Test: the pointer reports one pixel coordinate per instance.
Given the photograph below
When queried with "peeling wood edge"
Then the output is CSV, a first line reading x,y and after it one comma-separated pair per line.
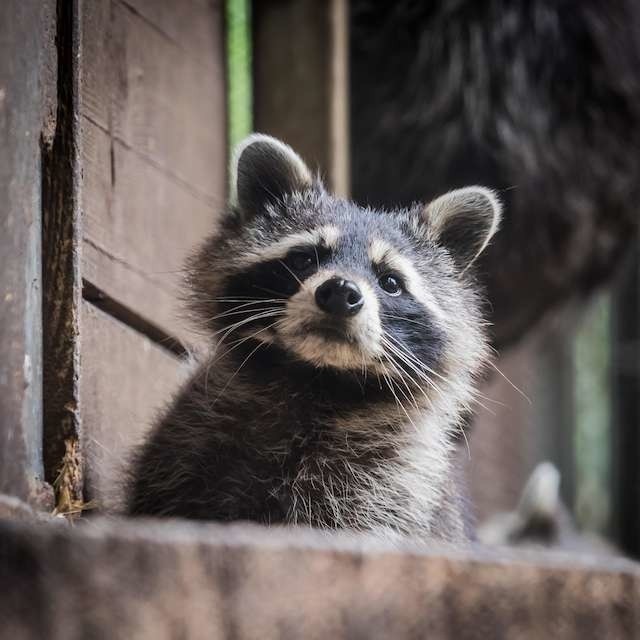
x,y
61,234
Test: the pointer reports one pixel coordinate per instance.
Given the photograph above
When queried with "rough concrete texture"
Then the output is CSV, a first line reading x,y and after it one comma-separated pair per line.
x,y
118,579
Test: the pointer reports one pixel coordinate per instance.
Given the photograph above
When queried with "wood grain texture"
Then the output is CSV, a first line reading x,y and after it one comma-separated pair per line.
x,y
178,580
306,106
61,274
126,380
27,114
154,148
153,95
194,28
139,225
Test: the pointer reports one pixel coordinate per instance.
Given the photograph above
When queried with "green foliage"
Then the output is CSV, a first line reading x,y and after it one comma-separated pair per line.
x,y
239,81
592,406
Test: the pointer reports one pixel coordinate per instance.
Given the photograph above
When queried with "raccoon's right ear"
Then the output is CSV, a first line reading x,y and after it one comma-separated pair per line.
x,y
263,171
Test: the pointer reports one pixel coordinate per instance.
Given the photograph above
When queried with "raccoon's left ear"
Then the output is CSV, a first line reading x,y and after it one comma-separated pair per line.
x,y
263,171
464,221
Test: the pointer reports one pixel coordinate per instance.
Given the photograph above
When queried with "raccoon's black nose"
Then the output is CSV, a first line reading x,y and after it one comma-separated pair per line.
x,y
339,297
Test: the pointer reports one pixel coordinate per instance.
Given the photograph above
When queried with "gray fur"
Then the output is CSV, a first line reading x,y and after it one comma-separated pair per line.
x,y
286,423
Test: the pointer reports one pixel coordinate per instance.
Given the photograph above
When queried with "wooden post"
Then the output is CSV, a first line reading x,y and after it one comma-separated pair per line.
x,y
61,275
301,81
27,120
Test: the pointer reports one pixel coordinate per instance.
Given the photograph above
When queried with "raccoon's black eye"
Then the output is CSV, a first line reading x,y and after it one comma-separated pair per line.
x,y
301,260
391,284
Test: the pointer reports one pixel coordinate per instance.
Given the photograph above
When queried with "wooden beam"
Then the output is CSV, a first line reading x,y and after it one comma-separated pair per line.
x,y
61,272
166,580
27,118
301,81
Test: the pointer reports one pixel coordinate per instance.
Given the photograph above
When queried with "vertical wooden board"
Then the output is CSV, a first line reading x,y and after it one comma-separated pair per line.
x,y
126,379
306,105
27,105
100,60
154,96
61,274
139,225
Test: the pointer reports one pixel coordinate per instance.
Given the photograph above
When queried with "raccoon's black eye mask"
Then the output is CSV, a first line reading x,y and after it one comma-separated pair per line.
x,y
266,172
301,261
305,261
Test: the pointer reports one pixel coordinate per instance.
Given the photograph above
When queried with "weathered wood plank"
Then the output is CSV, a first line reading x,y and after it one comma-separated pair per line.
x,y
153,96
126,379
27,108
158,580
154,149
194,28
139,225
307,106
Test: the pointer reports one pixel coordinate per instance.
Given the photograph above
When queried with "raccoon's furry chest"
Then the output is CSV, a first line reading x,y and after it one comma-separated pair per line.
x,y
315,451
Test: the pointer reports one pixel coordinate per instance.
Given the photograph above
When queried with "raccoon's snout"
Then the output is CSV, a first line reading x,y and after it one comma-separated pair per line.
x,y
339,297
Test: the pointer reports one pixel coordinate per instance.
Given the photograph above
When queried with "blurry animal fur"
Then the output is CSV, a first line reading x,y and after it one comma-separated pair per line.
x,y
541,520
307,413
539,99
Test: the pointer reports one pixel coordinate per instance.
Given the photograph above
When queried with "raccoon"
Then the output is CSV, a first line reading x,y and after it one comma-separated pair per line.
x,y
345,342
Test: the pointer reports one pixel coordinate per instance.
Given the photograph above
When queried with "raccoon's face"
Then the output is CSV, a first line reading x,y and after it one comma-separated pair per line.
x,y
334,284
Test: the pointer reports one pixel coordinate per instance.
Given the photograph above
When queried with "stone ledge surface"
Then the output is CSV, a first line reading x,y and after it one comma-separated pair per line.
x,y
151,579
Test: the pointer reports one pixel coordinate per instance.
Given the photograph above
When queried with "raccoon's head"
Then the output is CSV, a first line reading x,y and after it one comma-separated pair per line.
x,y
337,285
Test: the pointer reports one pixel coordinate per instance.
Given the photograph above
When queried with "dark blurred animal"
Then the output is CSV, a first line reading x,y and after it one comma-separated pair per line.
x,y
537,98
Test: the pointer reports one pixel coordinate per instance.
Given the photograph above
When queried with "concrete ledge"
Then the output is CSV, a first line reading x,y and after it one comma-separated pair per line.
x,y
150,579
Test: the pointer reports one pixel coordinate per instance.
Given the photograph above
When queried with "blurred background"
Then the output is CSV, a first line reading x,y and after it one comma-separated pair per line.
x,y
541,101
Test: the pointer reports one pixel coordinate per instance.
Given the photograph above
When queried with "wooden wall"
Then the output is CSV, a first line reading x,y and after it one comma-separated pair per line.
x,y
145,111
153,153
27,121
